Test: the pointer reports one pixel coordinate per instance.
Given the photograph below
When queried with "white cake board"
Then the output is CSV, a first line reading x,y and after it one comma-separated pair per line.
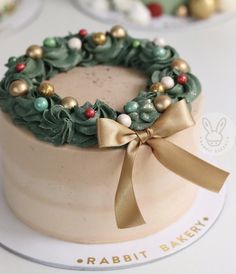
x,y
26,12
26,243
164,23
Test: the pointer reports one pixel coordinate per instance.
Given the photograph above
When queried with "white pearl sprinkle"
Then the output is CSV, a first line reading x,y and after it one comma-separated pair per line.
x,y
159,41
124,119
168,82
75,43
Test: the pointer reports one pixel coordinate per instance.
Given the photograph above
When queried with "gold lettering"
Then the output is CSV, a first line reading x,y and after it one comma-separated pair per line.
x,y
104,261
174,244
136,257
127,258
143,253
195,229
91,260
181,239
164,247
199,223
116,260
189,234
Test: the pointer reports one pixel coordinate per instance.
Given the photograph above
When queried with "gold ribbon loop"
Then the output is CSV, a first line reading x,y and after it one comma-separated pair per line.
x,y
176,118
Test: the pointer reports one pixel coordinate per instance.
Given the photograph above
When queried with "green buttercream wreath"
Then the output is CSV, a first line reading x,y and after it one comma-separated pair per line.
x,y
51,120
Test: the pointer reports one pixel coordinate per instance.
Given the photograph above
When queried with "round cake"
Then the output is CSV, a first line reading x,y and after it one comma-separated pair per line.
x,y
63,167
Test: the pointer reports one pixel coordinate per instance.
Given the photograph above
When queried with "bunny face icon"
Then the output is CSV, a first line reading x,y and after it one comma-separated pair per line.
x,y
214,136
217,133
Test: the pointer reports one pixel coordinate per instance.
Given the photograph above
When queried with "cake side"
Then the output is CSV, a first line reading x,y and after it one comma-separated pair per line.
x,y
67,192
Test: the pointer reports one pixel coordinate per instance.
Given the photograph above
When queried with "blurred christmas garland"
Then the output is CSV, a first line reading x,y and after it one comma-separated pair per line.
x,y
143,11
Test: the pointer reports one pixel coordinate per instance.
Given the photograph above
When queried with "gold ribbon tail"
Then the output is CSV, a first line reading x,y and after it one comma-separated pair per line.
x,y
126,208
176,118
187,165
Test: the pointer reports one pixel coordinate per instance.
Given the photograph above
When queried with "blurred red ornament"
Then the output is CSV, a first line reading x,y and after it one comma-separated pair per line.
x,y
155,9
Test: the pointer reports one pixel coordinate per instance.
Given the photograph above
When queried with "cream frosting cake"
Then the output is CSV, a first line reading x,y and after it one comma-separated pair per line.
x,y
57,179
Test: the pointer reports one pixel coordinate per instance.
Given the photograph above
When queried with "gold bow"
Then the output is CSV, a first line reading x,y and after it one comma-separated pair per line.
x,y
176,118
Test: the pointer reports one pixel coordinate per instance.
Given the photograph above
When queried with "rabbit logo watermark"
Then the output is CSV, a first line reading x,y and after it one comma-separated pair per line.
x,y
217,134
214,137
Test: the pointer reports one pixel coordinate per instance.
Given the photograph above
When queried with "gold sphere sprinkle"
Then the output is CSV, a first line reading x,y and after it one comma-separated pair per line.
x,y
162,102
35,52
18,88
46,89
118,31
69,102
99,38
180,65
157,87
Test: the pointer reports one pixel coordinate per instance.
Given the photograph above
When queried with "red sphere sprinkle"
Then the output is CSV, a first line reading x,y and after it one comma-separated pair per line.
x,y
20,67
83,32
182,79
89,112
155,9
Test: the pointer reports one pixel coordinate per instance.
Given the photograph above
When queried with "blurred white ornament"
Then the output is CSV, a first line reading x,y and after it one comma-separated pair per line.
x,y
99,5
140,14
123,5
134,10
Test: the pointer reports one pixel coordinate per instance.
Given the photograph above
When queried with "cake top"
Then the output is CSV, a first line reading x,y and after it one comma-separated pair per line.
x,y
27,95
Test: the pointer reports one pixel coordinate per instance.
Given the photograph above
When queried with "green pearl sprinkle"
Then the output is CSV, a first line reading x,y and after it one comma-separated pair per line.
x,y
50,42
41,104
12,60
131,106
159,52
136,43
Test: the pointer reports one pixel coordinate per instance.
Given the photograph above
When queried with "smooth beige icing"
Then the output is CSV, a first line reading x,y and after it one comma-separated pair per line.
x,y
68,192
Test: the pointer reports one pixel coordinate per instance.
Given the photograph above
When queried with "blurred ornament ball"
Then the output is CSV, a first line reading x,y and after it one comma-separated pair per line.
x,y
139,14
226,5
182,11
155,9
202,9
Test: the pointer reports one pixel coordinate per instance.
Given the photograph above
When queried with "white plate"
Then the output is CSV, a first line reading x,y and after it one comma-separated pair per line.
x,y
26,12
163,23
25,242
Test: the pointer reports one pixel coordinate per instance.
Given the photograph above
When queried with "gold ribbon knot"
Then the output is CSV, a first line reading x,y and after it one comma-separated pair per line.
x,y
176,118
